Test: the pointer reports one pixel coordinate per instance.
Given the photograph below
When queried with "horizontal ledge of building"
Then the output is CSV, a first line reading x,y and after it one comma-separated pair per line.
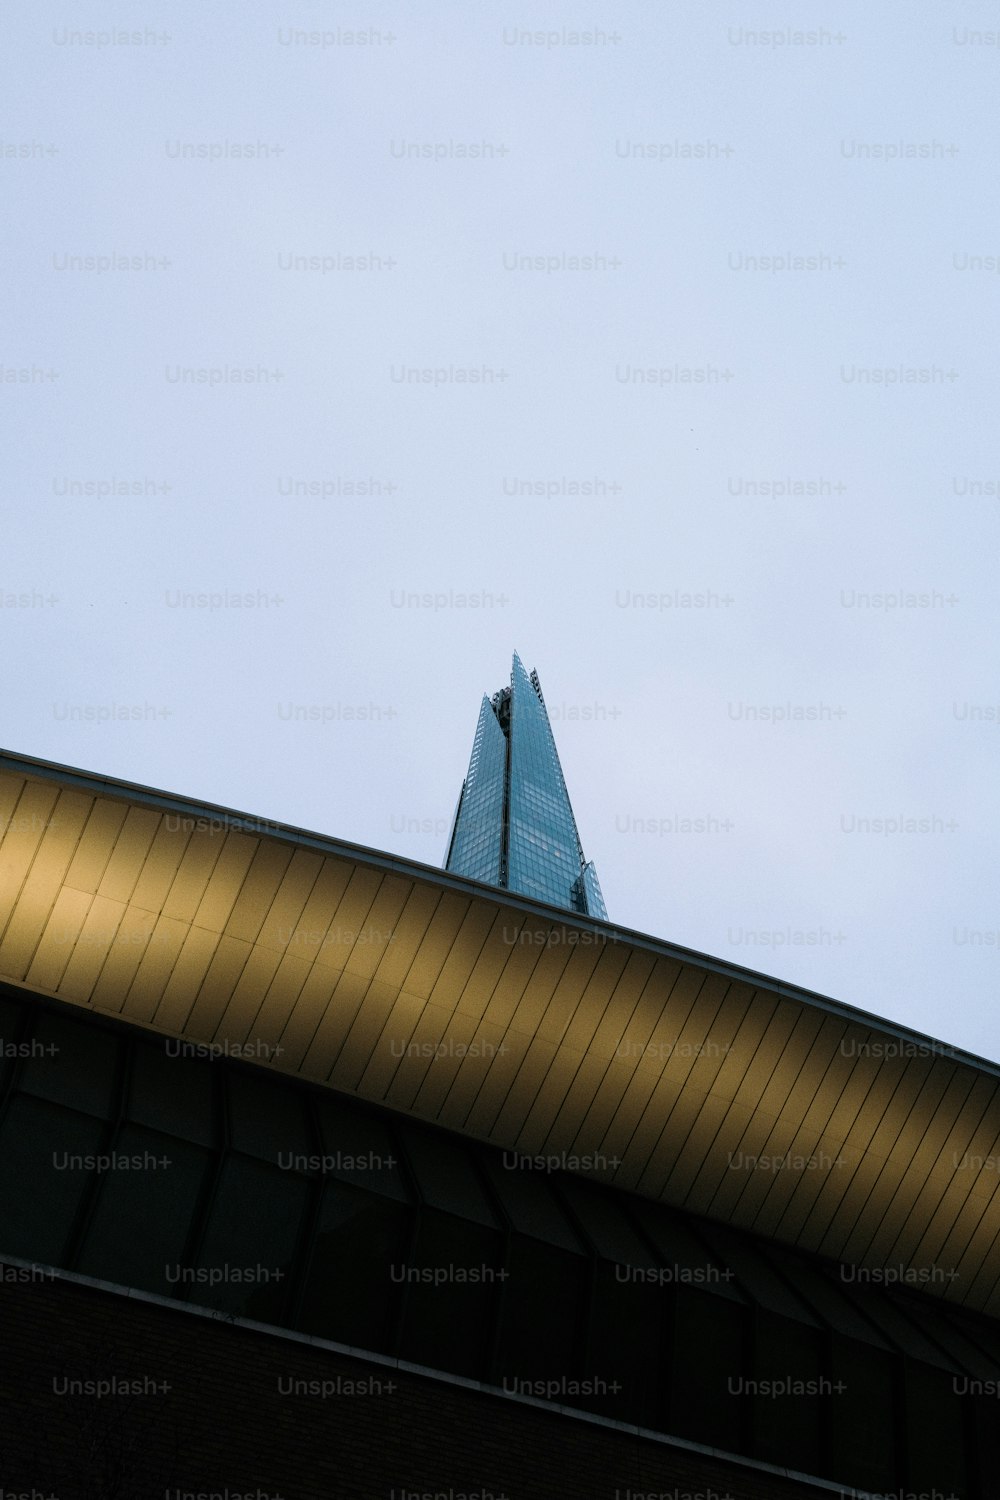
x,y
442,1377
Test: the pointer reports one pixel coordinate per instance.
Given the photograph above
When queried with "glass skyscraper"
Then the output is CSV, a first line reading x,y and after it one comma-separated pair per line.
x,y
514,826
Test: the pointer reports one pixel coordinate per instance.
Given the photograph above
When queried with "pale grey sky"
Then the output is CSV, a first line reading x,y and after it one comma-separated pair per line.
x,y
475,266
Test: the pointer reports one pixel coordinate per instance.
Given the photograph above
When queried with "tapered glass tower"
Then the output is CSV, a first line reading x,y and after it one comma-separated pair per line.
x,y
514,826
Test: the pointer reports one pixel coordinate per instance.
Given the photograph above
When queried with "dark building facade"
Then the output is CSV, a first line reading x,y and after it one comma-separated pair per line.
x,y
514,825
324,1173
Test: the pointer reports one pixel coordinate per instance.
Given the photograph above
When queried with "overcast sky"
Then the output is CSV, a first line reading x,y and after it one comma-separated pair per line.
x,y
535,322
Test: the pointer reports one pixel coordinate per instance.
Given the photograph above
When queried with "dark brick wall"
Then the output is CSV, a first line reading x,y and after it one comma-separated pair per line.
x,y
225,1425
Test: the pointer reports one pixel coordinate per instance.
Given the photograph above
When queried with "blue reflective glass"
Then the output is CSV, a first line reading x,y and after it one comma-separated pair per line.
x,y
476,841
514,826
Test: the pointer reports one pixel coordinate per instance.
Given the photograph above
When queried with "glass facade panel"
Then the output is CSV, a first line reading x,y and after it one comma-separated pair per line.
x,y
41,1188
451,1282
477,837
587,892
707,1352
935,1421
265,1118
71,1064
789,1369
245,1259
544,1302
687,1259
10,1018
445,1175
544,860
359,1148
171,1090
514,826
158,1204
599,1215
348,1290
529,1203
626,1348
862,1418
